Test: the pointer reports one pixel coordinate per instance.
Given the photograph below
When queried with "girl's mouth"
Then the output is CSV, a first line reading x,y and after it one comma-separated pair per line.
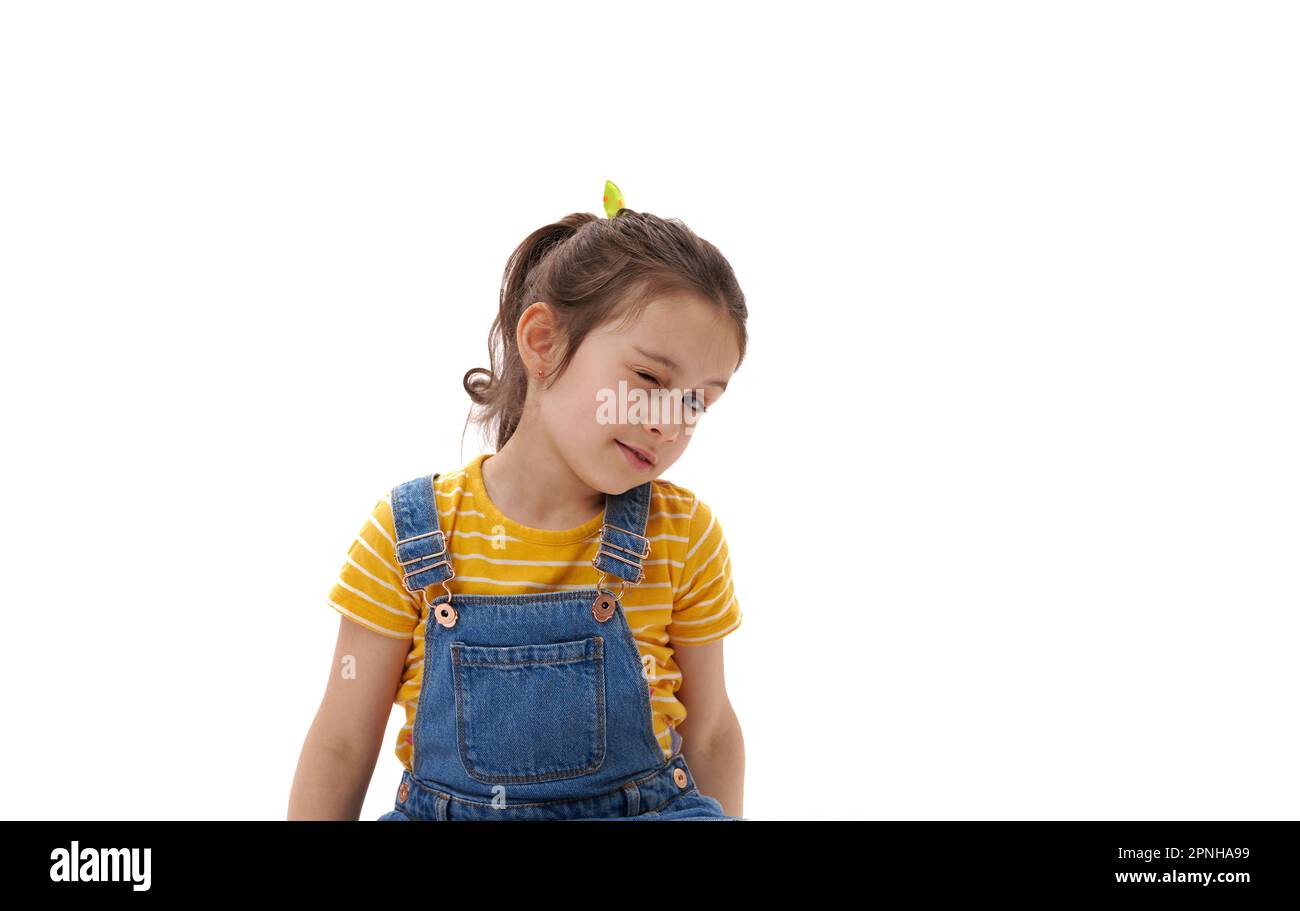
x,y
633,459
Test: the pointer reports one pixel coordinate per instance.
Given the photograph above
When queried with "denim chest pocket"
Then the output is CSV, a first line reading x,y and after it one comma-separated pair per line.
x,y
530,712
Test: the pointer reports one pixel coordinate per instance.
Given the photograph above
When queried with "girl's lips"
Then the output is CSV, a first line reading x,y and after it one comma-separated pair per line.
x,y
633,459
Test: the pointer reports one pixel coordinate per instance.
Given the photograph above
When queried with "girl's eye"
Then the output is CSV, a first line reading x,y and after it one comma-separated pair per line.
x,y
696,402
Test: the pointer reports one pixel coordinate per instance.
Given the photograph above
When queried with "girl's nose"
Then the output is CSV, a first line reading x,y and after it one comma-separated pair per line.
x,y
665,425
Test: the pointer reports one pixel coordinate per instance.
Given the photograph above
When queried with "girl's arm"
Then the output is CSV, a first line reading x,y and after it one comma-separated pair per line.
x,y
338,757
712,741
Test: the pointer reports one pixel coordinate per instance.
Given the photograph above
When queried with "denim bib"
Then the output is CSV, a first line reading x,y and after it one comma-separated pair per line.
x,y
535,706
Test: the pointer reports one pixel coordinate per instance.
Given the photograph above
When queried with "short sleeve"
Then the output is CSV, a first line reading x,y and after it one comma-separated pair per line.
x,y
369,589
704,601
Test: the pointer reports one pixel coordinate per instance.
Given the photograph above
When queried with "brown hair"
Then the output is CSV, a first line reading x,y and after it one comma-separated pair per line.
x,y
591,269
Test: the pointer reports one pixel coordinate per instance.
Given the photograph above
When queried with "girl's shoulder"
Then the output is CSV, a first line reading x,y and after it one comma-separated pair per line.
x,y
678,515
663,489
705,607
680,502
673,511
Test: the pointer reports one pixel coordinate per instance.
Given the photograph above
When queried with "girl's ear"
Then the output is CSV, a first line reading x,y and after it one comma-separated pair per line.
x,y
535,336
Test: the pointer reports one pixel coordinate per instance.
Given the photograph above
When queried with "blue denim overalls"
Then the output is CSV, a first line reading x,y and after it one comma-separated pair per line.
x,y
535,706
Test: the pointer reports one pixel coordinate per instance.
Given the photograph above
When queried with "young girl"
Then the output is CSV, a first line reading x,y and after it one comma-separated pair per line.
x,y
551,615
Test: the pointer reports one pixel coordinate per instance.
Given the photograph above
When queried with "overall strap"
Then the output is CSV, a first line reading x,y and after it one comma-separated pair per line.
x,y
421,545
623,544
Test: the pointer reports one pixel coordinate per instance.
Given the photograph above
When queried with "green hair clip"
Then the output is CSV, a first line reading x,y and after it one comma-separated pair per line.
x,y
613,198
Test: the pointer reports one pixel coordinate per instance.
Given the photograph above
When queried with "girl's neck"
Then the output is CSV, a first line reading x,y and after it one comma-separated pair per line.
x,y
530,484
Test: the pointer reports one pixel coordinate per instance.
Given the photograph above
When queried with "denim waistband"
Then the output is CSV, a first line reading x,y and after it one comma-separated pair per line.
x,y
427,800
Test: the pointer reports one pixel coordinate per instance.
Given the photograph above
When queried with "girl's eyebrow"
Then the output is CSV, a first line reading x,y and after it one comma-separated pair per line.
x,y
673,365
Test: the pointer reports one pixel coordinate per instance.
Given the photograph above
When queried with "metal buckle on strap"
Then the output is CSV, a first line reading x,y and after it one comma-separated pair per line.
x,y
428,534
425,569
601,549
438,553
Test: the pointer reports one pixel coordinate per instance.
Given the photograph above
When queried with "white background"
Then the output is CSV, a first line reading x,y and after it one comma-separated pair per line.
x,y
1008,474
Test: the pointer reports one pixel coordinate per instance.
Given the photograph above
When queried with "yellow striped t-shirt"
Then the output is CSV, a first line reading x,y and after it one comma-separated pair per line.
x,y
686,598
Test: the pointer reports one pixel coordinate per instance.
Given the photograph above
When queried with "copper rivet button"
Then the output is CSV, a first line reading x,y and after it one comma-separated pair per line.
x,y
679,776
403,791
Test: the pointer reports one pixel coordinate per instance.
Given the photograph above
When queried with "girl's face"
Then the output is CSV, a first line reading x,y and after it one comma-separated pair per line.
x,y
641,386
